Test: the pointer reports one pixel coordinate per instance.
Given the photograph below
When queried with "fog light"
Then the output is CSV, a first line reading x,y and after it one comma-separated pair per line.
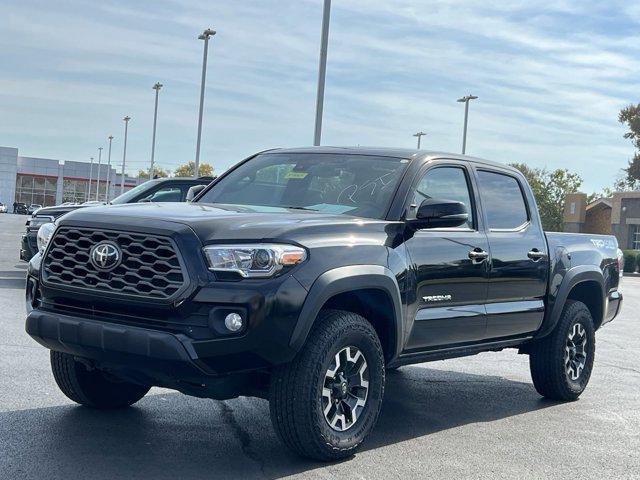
x,y
233,322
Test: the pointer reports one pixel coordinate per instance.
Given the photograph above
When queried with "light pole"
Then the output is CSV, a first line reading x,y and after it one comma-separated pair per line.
x,y
465,100
157,88
203,36
419,135
88,195
322,71
98,181
109,169
124,152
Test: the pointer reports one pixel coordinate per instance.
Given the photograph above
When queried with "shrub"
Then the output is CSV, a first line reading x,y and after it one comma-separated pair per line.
x,y
631,258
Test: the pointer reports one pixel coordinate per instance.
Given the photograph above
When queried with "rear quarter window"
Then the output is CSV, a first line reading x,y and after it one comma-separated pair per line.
x,y
502,200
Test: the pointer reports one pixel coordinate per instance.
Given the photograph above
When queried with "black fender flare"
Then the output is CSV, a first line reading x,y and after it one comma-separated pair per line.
x,y
346,279
573,277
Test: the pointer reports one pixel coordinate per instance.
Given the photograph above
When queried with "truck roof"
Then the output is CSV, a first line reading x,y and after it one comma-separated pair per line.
x,y
408,153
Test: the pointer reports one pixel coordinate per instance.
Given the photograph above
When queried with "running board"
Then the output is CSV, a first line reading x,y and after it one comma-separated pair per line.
x,y
459,351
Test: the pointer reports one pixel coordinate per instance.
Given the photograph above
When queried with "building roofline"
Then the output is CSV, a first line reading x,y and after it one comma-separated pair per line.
x,y
608,202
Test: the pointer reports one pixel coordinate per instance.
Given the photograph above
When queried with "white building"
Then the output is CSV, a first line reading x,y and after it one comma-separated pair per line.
x,y
46,182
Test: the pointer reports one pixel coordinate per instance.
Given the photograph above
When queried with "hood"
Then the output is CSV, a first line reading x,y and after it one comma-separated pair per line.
x,y
215,223
57,210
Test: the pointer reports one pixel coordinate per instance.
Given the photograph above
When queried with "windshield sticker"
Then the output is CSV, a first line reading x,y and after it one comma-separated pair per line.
x,y
296,175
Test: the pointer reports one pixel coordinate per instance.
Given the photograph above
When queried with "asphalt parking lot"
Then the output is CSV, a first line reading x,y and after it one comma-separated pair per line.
x,y
476,417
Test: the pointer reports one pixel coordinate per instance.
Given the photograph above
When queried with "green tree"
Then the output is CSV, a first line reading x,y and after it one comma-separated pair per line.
x,y
630,116
549,190
605,193
157,173
188,169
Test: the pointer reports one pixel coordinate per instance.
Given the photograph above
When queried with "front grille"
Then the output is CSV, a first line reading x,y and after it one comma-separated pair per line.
x,y
149,267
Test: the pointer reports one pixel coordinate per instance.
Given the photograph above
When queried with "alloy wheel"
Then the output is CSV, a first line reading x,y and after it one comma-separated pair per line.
x,y
575,352
345,389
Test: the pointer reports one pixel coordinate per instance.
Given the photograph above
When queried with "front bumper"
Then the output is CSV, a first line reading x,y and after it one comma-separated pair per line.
x,y
108,342
139,355
180,347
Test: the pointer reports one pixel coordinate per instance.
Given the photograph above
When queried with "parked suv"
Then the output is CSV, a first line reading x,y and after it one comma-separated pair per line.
x,y
301,275
157,190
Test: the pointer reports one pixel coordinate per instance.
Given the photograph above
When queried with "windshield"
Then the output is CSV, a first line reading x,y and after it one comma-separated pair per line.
x,y
359,185
127,196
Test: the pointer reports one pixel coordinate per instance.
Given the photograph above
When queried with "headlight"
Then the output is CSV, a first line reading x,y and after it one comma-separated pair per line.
x,y
253,261
44,235
36,222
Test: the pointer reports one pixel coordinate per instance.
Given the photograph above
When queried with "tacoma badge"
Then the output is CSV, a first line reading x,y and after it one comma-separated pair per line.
x,y
437,298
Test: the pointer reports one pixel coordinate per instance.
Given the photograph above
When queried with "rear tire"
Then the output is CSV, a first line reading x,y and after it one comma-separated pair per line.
x,y
327,400
92,388
561,363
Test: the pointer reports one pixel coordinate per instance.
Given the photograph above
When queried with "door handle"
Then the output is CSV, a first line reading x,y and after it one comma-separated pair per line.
x,y
477,254
535,254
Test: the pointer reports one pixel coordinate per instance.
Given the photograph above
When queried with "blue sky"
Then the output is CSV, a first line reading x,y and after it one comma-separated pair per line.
x,y
551,77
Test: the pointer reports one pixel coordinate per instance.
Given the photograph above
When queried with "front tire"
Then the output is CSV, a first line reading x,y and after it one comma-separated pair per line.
x,y
92,388
561,363
327,400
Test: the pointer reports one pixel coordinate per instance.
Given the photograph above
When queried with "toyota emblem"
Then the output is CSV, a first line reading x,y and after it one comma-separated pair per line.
x,y
106,256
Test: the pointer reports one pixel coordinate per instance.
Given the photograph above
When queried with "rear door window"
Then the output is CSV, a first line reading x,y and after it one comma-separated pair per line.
x,y
502,200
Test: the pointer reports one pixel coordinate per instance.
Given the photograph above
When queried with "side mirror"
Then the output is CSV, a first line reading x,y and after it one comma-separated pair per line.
x,y
145,200
194,191
436,213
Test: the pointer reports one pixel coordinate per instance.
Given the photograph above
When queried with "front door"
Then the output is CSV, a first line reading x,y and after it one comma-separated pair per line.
x,y
450,266
519,257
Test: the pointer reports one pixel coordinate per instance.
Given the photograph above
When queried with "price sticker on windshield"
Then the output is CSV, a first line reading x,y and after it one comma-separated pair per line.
x,y
297,175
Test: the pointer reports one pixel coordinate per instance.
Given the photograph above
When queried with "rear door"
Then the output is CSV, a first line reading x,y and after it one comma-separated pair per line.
x,y
449,265
519,265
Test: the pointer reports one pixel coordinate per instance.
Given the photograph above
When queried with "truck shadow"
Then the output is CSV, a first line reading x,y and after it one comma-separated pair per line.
x,y
169,435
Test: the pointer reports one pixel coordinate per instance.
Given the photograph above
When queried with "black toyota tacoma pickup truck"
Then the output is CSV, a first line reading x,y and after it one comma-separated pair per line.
x,y
302,275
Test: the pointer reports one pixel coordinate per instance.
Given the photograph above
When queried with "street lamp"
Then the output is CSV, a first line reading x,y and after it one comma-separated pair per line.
x,y
203,36
465,100
98,182
124,152
419,135
88,194
157,88
110,137
322,71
